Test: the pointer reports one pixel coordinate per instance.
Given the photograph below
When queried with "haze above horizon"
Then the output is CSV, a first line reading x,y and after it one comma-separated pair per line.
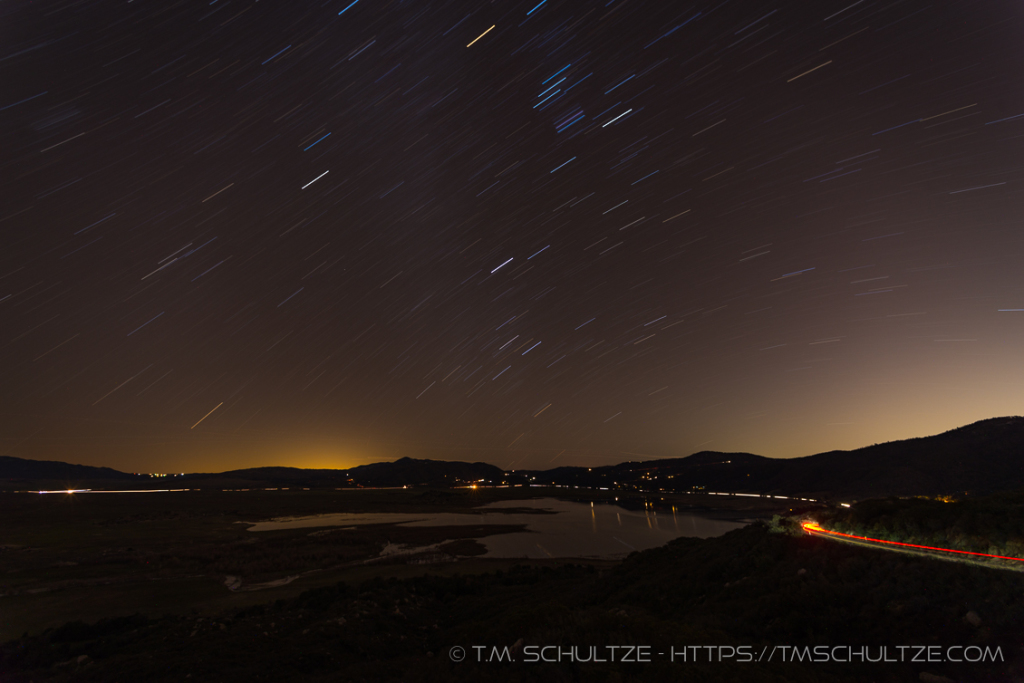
x,y
328,236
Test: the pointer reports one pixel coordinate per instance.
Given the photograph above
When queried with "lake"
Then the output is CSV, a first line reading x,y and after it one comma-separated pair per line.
x,y
557,528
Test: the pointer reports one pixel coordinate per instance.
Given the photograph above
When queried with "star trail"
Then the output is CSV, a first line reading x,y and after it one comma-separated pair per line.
x,y
246,233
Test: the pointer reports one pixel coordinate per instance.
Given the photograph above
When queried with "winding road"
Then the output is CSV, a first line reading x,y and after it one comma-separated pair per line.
x,y
815,529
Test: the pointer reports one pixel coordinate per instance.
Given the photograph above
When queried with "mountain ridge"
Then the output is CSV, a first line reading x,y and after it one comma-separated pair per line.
x,y
981,457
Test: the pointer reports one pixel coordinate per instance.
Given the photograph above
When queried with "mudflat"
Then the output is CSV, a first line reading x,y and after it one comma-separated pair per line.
x,y
90,556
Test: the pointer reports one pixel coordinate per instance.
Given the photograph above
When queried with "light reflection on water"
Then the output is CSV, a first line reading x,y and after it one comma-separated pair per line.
x,y
576,530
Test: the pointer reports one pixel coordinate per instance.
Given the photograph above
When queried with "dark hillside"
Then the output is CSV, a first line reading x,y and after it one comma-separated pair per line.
x,y
20,468
748,589
977,459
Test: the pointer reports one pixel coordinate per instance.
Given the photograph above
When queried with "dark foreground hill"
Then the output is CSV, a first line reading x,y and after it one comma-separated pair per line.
x,y
981,458
720,605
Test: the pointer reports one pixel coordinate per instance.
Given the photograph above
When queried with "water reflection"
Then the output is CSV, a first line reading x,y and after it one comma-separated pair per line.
x,y
576,530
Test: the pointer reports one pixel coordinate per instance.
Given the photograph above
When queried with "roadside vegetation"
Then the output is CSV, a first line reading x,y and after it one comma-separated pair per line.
x,y
993,525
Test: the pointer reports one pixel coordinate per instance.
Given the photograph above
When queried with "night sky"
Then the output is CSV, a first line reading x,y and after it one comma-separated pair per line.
x,y
246,233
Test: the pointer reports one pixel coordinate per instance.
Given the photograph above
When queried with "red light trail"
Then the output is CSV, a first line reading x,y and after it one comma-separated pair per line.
x,y
815,528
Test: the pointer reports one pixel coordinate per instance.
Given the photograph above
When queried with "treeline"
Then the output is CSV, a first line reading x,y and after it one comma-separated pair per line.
x,y
993,524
